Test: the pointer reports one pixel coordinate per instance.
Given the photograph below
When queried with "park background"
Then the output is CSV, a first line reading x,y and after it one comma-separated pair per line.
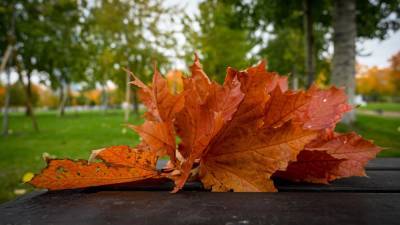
x,y
63,90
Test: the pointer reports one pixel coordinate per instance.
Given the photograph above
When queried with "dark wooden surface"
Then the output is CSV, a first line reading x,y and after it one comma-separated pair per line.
x,y
359,200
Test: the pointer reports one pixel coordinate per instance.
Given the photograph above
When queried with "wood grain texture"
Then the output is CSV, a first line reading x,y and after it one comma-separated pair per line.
x,y
126,207
377,181
384,164
357,200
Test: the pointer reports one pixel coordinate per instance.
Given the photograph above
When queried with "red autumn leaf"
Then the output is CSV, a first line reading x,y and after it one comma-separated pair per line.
x,y
159,136
325,109
285,106
160,103
311,166
246,161
208,106
324,160
234,136
157,131
120,164
244,155
314,109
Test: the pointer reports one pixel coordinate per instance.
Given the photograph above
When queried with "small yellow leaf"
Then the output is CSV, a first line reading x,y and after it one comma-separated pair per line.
x,y
27,177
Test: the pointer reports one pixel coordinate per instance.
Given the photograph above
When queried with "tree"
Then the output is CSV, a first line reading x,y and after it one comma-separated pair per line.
x,y
45,42
307,18
125,34
379,83
376,83
369,19
352,19
344,55
222,40
63,56
7,26
395,72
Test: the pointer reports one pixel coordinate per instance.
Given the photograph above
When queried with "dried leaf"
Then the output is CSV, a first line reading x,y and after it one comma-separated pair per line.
x,y
208,106
324,160
234,137
246,161
130,165
158,132
159,136
160,103
325,109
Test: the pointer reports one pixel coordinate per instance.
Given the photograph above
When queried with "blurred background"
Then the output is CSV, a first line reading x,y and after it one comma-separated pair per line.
x,y
63,90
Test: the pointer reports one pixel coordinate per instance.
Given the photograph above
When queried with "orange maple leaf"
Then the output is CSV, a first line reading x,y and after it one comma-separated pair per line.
x,y
208,106
330,158
245,153
234,136
120,164
157,131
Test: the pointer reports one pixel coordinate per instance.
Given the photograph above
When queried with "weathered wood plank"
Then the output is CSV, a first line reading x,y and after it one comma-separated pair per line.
x,y
377,181
376,164
384,164
128,207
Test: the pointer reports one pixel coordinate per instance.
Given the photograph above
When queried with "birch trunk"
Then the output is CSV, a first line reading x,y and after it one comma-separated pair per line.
x,y
127,98
4,61
344,41
309,42
28,110
63,100
135,102
28,101
104,93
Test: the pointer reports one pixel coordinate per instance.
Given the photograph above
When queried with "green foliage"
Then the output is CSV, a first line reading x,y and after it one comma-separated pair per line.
x,y
18,96
71,41
222,39
126,34
282,59
283,19
376,18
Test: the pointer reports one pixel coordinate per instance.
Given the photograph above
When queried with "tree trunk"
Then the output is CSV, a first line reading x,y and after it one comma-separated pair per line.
x,y
105,94
135,102
295,79
28,110
309,42
4,61
63,100
28,101
127,98
344,42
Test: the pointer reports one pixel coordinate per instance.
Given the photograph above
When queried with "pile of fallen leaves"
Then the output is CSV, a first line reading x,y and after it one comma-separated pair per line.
x,y
236,136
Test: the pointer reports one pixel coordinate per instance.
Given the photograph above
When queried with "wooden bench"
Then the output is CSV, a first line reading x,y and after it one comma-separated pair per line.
x,y
357,200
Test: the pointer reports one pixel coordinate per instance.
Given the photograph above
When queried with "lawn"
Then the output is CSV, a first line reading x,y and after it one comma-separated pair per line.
x,y
76,134
384,131
385,106
72,136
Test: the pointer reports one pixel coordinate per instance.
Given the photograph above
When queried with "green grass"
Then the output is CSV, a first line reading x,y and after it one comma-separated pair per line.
x,y
384,131
76,134
72,136
390,107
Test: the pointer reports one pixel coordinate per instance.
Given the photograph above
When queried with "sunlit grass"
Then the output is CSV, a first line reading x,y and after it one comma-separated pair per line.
x,y
72,136
389,107
385,132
